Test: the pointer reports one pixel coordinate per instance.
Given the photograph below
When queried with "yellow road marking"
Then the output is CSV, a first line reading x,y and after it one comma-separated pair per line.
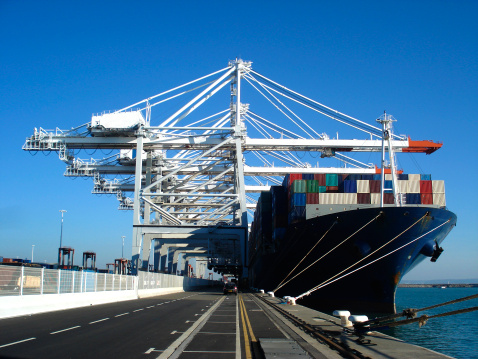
x,y
244,329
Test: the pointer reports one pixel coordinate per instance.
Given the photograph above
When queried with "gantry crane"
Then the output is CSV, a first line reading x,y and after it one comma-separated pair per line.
x,y
192,173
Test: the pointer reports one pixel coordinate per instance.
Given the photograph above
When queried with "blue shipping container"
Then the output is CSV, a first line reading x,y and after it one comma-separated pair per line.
x,y
403,176
425,177
377,177
388,187
367,177
297,214
413,198
297,199
307,176
349,186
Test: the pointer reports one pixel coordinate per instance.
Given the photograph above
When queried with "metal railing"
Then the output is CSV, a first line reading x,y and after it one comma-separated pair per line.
x,y
33,281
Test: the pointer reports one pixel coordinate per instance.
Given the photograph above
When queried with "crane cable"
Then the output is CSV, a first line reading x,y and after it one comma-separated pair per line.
x,y
346,239
329,281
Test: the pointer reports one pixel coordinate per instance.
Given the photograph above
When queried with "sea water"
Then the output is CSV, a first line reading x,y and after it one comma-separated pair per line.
x,y
456,335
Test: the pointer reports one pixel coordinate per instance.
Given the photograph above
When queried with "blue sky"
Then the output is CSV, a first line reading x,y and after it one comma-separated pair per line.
x,y
62,61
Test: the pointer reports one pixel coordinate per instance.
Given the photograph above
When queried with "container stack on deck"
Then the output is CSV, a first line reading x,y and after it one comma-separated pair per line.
x,y
304,196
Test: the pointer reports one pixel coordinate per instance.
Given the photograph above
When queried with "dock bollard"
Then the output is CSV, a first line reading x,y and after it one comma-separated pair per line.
x,y
262,291
291,301
271,294
344,317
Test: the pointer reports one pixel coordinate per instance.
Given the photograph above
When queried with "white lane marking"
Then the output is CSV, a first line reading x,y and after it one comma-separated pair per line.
x,y
100,320
137,310
181,343
208,351
20,341
152,350
119,315
64,330
151,306
173,332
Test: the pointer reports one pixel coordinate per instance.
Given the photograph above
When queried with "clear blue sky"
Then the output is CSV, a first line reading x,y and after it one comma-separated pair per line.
x,y
62,61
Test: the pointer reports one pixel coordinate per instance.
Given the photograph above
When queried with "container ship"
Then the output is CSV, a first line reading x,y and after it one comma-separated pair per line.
x,y
344,241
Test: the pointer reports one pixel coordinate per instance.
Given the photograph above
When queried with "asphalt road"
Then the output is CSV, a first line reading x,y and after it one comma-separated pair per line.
x,y
183,325
118,330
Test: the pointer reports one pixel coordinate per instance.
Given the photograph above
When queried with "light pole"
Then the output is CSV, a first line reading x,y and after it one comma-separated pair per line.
x,y
61,233
33,247
122,249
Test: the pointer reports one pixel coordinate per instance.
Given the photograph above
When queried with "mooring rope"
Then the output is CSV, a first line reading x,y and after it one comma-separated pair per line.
x,y
315,245
331,280
346,239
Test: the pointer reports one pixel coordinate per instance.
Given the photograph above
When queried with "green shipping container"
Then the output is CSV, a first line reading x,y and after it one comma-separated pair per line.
x,y
322,189
298,186
331,179
312,186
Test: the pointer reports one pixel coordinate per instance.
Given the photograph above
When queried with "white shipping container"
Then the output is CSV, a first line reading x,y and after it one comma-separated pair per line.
x,y
439,199
349,198
438,186
363,186
403,186
413,186
329,198
413,178
374,198
388,176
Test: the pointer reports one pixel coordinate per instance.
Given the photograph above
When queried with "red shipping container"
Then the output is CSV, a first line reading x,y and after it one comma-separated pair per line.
x,y
388,198
312,198
293,177
332,189
426,187
374,186
363,198
321,178
426,198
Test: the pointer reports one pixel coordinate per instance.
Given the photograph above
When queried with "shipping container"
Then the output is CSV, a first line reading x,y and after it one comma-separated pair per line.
x,y
320,177
388,198
312,186
426,198
375,198
348,186
402,186
438,186
375,186
297,199
331,179
425,177
307,176
426,186
439,199
349,198
298,186
413,186
363,186
413,198
312,198
328,198
413,177
367,177
388,186
322,189
363,198
403,177
332,189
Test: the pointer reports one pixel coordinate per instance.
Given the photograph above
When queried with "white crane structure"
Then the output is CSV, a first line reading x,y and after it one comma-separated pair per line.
x,y
191,172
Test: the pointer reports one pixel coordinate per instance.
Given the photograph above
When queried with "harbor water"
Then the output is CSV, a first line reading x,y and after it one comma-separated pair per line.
x,y
456,335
